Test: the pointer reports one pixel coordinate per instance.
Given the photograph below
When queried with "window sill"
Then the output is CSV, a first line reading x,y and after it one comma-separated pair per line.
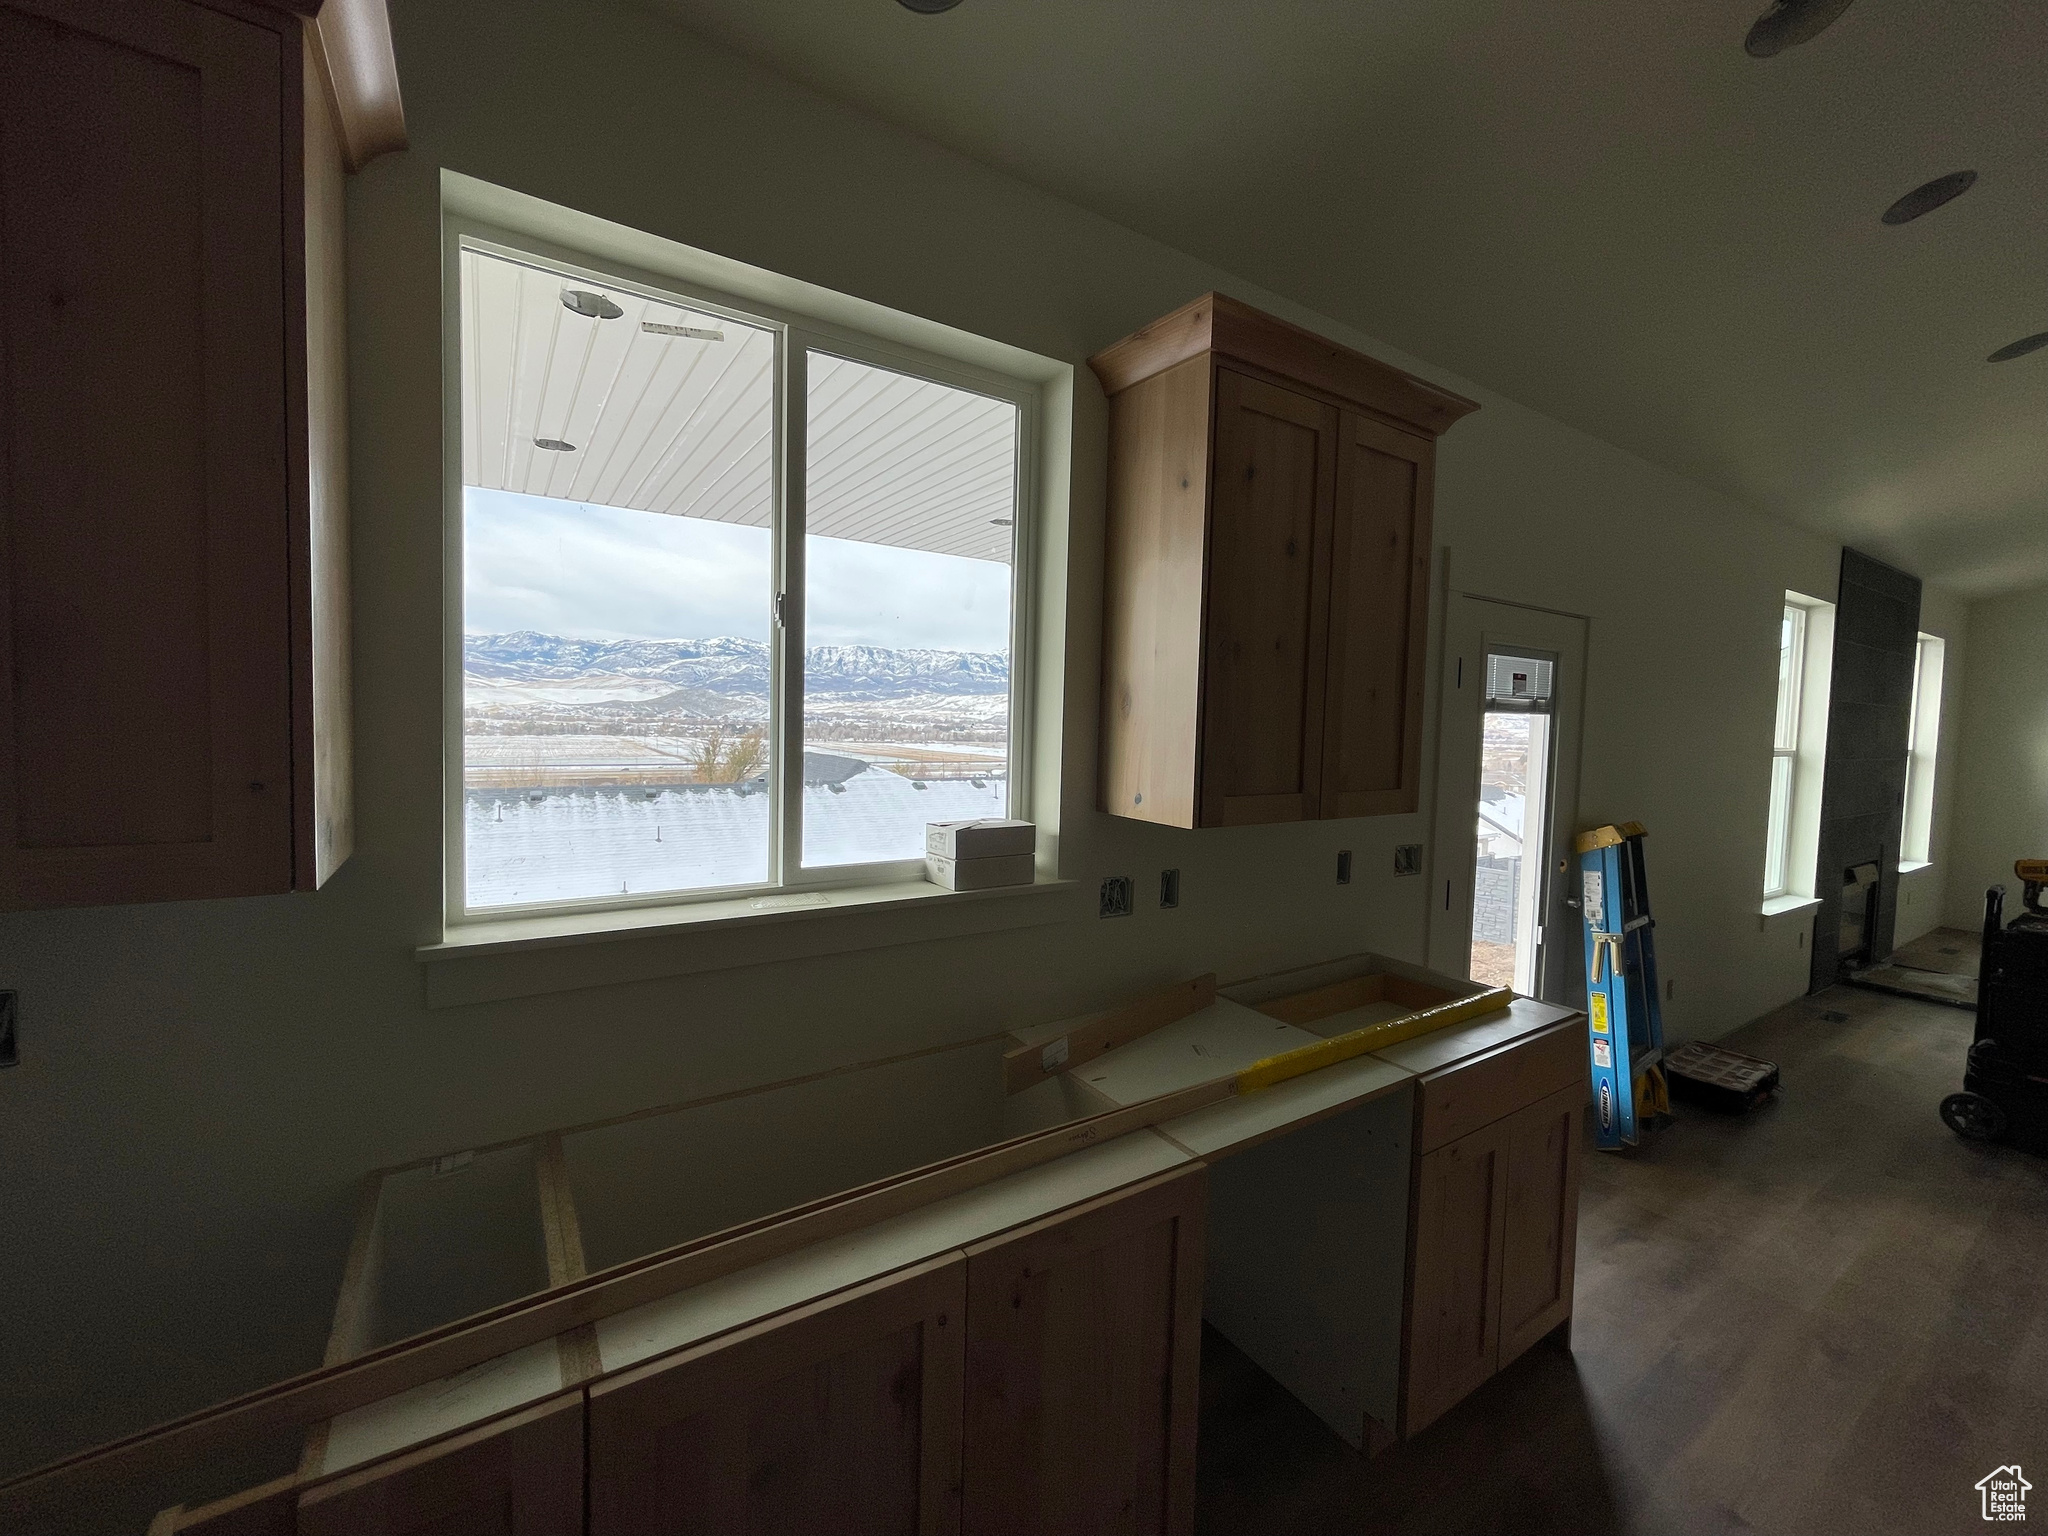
x,y
1780,907
527,956
1914,866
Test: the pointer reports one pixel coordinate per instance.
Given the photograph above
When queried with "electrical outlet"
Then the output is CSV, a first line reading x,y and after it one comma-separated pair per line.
x,y
1169,887
1116,896
10,1045
1343,866
1408,858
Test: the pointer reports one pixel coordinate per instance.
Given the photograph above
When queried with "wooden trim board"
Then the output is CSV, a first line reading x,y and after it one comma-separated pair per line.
x,y
563,1234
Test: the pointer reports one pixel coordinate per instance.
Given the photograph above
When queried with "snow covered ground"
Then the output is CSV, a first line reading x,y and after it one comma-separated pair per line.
x,y
528,846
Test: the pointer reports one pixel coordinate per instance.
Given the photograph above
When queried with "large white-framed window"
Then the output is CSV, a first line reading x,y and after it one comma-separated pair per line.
x,y
741,598
1785,750
1923,738
1798,747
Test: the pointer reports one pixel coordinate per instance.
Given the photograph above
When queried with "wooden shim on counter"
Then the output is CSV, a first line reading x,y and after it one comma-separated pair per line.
x,y
1029,1065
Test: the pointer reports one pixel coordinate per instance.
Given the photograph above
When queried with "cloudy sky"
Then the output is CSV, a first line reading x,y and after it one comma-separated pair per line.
x,y
604,573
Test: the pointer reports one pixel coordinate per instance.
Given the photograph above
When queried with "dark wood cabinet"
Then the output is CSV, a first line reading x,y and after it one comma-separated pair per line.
x,y
521,1475
1083,1366
1494,1214
1266,581
843,1415
174,698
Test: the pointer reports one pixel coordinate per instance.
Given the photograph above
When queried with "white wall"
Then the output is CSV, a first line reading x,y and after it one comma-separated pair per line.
x,y
2001,810
202,1084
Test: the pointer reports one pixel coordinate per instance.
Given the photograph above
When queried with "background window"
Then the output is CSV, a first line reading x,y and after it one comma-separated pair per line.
x,y
1923,737
678,675
1785,750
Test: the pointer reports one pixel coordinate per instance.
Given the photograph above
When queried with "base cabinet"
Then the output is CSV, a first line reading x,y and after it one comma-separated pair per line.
x,y
843,1416
518,1476
1083,1367
1495,1228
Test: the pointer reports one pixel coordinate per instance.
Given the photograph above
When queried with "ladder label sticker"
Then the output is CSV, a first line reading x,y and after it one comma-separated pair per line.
x,y
1603,1054
1606,1106
1596,898
1598,1002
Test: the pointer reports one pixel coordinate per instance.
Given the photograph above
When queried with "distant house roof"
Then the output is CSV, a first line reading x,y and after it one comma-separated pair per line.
x,y
522,846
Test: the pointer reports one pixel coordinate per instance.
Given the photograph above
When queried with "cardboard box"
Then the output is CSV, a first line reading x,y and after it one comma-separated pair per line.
x,y
988,839
978,874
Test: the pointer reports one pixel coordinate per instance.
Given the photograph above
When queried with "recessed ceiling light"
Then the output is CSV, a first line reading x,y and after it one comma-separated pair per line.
x,y
1924,199
927,7
1790,23
581,301
2020,348
554,445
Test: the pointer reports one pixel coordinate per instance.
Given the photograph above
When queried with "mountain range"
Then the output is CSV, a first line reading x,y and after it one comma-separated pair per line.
x,y
529,675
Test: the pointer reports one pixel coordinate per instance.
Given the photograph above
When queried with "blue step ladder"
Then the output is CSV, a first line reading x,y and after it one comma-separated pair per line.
x,y
1624,1023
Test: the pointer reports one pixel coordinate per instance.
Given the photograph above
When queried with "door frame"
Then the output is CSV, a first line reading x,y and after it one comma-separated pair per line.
x,y
1473,623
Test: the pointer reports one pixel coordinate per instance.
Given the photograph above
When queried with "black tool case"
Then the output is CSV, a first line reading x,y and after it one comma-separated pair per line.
x,y
1714,1076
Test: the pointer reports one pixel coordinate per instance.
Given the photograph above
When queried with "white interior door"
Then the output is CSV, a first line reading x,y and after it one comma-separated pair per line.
x,y
1507,797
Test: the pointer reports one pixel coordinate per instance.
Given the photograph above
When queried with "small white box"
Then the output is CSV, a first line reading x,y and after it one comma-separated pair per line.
x,y
978,874
986,839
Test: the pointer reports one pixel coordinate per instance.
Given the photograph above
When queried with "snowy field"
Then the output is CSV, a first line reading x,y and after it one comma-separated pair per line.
x,y
580,844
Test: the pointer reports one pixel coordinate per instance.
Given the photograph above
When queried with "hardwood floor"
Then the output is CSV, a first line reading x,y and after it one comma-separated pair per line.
x,y
1828,1316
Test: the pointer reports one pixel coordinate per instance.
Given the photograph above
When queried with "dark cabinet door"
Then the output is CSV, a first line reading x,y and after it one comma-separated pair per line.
x,y
1268,596
517,1476
1379,612
1545,1148
145,629
1084,1337
840,1416
1454,1315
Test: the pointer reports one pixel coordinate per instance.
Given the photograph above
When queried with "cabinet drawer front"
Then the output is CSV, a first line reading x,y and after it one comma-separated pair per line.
x,y
1478,1092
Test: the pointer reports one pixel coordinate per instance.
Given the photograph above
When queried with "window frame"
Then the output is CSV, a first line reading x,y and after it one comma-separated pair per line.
x,y
797,334
1778,833
1923,750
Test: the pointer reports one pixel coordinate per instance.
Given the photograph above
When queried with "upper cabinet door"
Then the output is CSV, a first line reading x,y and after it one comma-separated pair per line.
x,y
1269,530
1379,611
145,675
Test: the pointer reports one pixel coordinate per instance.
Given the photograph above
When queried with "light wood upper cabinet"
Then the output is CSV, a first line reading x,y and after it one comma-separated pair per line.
x,y
174,698
1266,582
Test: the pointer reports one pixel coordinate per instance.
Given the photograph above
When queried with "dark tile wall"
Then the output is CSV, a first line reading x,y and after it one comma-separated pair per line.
x,y
1870,707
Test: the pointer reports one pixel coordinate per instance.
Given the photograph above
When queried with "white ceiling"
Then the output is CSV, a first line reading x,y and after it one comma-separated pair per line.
x,y
683,424
1605,210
